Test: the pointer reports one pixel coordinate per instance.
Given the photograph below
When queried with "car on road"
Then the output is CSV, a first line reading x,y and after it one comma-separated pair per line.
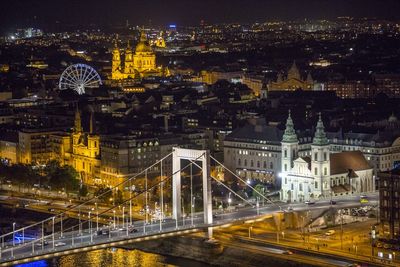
x,y
133,230
310,202
289,208
330,232
60,244
332,202
39,244
105,232
51,210
287,252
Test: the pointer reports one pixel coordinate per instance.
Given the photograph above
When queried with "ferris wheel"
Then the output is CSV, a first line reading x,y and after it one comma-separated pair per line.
x,y
78,77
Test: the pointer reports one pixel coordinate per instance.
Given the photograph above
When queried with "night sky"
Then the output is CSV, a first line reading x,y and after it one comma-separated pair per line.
x,y
17,13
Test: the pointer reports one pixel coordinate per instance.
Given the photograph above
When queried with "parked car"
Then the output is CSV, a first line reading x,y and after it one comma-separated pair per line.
x,y
309,202
332,202
330,232
59,244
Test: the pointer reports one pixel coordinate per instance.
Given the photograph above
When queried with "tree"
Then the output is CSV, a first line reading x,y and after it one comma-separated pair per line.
x,y
118,197
260,189
104,194
83,191
64,177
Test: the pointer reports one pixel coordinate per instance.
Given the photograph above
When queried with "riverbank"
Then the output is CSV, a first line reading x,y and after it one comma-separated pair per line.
x,y
195,247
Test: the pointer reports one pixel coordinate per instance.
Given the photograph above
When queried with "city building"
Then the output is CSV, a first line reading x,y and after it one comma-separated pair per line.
x,y
321,174
85,154
389,203
137,64
261,144
292,81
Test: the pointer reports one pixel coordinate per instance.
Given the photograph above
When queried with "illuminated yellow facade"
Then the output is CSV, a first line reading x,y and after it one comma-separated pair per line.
x,y
85,156
292,82
138,64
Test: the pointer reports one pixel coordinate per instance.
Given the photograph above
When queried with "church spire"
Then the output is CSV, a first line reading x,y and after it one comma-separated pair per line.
x,y
78,121
294,72
91,123
320,138
290,134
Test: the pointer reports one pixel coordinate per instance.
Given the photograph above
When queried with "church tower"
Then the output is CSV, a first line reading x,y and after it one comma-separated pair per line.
x,y
320,162
129,68
264,91
294,72
116,63
290,146
78,130
93,139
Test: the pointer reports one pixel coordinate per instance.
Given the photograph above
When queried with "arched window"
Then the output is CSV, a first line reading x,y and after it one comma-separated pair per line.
x,y
325,156
265,164
251,163
258,164
239,162
285,153
245,162
325,171
285,167
271,165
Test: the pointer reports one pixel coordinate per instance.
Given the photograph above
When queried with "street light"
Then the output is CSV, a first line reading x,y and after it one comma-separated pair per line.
x,y
114,219
97,217
90,228
123,216
250,228
13,242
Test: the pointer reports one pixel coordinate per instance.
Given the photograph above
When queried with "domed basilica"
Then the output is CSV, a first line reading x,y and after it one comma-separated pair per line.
x,y
138,64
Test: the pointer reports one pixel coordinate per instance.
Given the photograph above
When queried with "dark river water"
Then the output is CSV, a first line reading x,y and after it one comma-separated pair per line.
x,y
114,257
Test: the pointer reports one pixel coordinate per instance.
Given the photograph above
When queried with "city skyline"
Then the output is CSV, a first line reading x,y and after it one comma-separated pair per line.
x,y
198,133
38,13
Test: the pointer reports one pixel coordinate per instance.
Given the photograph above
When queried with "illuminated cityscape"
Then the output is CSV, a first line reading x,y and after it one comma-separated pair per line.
x,y
207,133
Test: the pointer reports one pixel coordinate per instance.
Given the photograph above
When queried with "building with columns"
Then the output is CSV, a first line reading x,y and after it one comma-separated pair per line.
x,y
136,64
292,81
321,174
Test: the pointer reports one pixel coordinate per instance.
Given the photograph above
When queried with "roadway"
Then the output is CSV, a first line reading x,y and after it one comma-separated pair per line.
x,y
70,241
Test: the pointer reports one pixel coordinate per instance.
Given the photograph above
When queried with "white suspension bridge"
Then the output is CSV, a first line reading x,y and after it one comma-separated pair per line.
x,y
90,234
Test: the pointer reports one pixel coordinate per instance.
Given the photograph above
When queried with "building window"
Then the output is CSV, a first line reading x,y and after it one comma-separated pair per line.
x,y
271,165
265,164
258,164
285,180
325,156
245,162
325,171
239,162
285,153
316,185
300,187
285,167
251,163
292,187
315,171
315,156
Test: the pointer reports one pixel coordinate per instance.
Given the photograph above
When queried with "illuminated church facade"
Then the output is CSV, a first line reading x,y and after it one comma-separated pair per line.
x,y
292,81
136,64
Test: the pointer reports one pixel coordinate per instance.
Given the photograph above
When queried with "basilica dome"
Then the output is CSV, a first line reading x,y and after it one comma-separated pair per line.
x,y
143,45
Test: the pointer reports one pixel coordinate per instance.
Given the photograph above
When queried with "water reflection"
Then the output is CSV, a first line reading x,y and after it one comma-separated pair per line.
x,y
113,257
